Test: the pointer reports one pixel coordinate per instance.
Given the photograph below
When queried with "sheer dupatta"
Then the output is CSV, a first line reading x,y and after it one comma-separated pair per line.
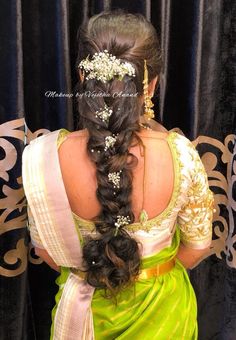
x,y
53,220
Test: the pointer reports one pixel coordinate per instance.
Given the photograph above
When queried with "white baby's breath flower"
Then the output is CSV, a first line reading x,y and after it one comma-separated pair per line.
x,y
104,114
122,221
109,142
104,66
114,177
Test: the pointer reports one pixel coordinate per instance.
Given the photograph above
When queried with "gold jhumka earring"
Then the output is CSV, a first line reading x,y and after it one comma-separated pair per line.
x,y
148,104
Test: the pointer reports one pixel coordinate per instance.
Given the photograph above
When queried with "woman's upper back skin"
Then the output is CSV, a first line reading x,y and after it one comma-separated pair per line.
x,y
152,193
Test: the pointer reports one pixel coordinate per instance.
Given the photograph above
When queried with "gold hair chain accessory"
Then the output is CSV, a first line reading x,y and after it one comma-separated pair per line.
x,y
148,104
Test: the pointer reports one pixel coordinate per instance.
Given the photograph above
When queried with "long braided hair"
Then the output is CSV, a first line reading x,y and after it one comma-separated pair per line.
x,y
112,259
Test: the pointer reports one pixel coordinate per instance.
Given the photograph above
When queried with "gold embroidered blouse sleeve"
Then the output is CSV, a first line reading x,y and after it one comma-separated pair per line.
x,y
195,216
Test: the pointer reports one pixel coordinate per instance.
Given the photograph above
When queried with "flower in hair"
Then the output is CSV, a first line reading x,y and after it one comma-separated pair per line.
x,y
104,114
110,142
121,222
114,177
104,66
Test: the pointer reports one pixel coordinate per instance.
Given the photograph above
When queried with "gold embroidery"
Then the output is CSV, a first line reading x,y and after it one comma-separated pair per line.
x,y
195,217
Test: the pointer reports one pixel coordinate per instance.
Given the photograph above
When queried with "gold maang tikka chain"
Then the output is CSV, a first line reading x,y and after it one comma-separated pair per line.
x,y
148,104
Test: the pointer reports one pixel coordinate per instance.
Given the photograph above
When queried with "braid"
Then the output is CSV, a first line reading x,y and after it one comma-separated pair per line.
x,y
112,260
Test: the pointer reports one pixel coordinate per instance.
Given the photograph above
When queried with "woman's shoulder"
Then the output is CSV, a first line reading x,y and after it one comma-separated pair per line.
x,y
37,141
186,152
70,139
183,144
76,133
73,135
172,136
59,136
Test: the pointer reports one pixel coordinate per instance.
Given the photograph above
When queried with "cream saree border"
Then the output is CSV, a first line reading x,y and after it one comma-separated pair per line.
x,y
46,196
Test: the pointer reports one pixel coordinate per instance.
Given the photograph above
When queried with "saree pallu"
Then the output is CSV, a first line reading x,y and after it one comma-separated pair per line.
x,y
52,228
162,307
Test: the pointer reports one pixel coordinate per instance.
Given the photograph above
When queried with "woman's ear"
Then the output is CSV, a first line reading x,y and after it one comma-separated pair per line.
x,y
81,75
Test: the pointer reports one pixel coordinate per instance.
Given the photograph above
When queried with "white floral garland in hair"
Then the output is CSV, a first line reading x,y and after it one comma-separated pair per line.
x,y
105,66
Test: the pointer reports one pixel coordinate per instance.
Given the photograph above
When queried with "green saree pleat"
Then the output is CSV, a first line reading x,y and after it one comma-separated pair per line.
x,y
162,307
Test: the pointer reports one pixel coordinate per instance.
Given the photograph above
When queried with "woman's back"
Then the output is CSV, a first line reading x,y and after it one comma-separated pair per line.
x,y
153,177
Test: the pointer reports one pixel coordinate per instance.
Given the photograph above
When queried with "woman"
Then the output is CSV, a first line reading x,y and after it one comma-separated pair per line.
x,y
120,207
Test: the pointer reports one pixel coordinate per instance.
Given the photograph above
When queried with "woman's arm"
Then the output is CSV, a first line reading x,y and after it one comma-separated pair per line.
x,y
191,257
195,216
46,258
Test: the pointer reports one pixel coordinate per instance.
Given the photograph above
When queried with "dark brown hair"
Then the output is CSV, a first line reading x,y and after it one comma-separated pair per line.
x,y
112,260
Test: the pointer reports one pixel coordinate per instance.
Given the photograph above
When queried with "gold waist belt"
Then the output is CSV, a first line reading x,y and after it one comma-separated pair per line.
x,y
158,270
